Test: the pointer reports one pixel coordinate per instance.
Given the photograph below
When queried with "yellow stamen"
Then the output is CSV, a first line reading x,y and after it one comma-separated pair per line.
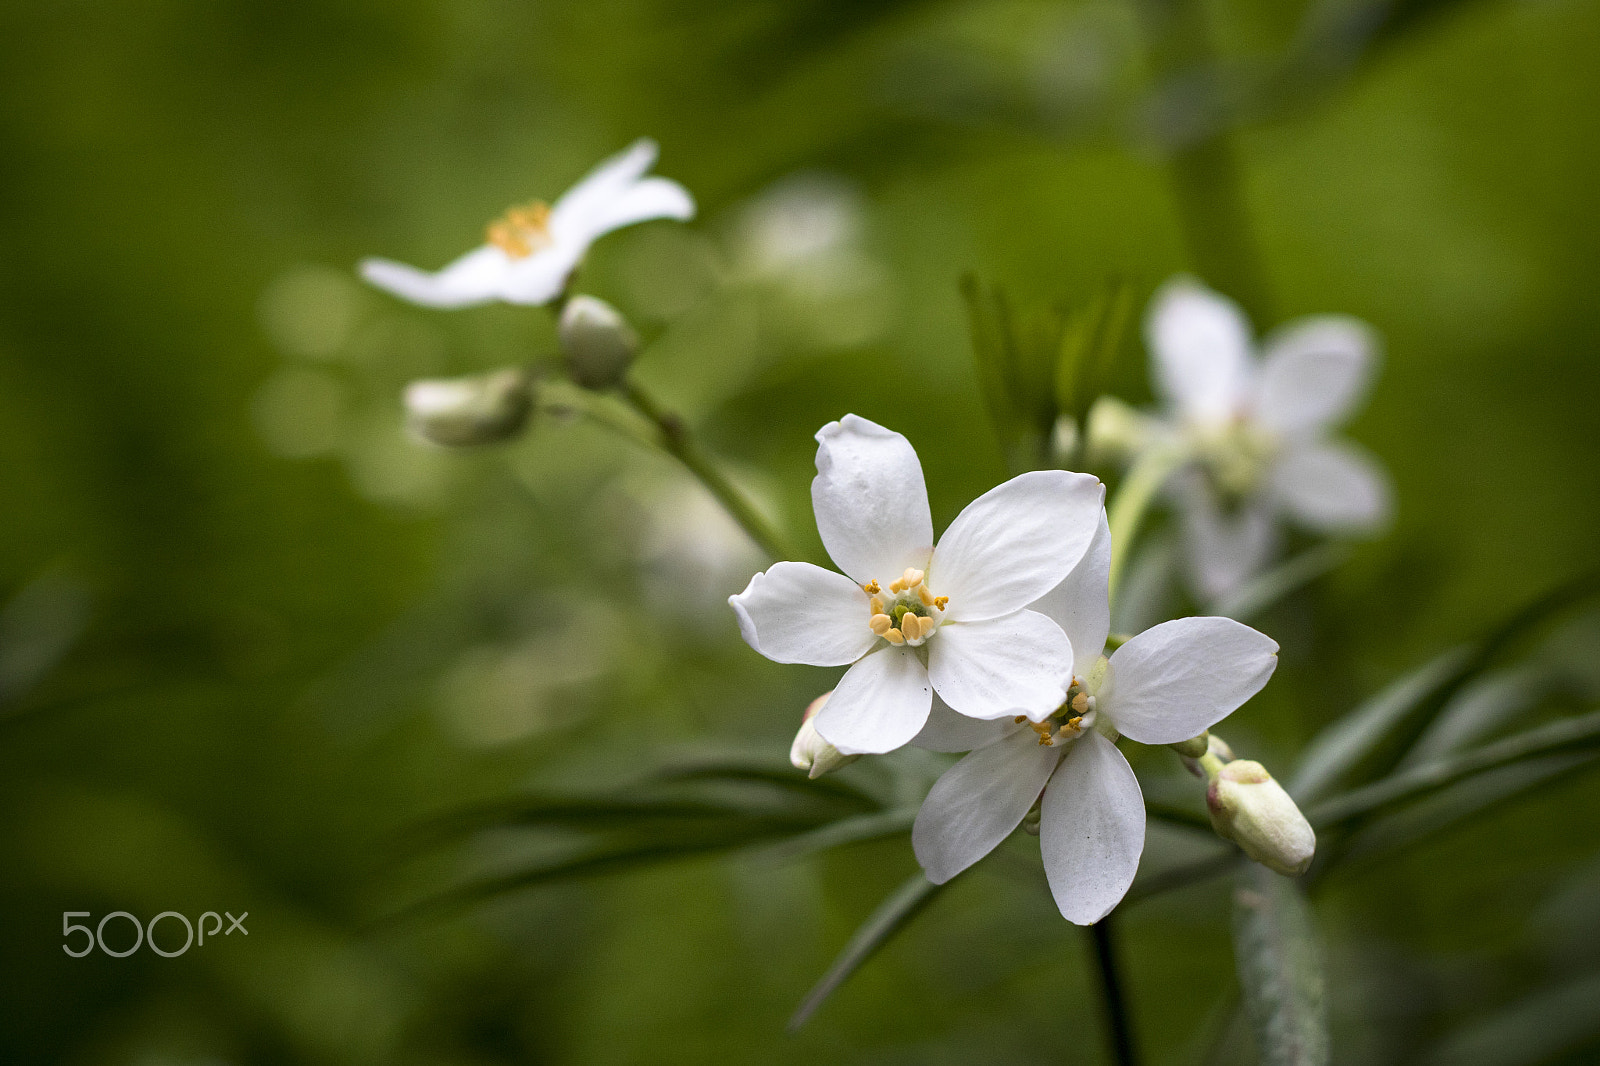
x,y
1080,702
872,589
894,636
924,595
880,623
911,578
522,230
877,605
897,586
940,601
1019,719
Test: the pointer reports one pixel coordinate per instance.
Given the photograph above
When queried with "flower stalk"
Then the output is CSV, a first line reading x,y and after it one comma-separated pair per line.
x,y
676,439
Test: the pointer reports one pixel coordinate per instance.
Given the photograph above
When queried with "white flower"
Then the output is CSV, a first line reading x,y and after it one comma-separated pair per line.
x,y
911,618
1165,685
1259,429
532,249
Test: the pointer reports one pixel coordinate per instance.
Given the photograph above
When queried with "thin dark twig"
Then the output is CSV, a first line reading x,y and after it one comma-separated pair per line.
x,y
1119,1028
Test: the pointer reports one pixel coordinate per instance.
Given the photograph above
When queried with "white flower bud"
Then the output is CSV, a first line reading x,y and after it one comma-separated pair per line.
x,y
1248,807
597,341
1116,431
460,412
810,752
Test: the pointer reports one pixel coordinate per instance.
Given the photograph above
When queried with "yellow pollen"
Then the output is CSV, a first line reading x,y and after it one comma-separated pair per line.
x,y
872,589
1080,702
940,601
1019,719
911,578
894,636
924,595
897,586
880,623
877,605
522,230
1044,731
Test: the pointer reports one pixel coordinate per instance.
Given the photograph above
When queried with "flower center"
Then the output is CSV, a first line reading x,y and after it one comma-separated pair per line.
x,y
521,231
1235,456
1069,721
907,613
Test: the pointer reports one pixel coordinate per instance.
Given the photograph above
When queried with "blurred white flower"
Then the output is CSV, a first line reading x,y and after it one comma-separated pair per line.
x,y
1258,430
1165,685
992,657
532,249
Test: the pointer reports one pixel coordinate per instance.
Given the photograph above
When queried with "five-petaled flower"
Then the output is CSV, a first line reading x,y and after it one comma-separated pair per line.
x,y
1257,430
911,618
533,249
1165,685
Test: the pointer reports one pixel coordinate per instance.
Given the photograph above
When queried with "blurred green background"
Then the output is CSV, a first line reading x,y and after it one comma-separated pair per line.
x,y
254,633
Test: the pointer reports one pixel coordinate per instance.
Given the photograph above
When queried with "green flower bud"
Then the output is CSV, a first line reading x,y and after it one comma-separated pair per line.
x,y
597,341
810,752
1194,747
1116,432
461,412
1248,807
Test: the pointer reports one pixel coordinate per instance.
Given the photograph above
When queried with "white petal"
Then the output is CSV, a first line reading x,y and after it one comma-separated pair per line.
x,y
1018,664
978,802
1314,373
537,279
948,731
1200,344
645,200
1332,486
1091,829
1015,543
1081,604
474,278
870,500
799,613
879,705
570,214
1224,550
1182,677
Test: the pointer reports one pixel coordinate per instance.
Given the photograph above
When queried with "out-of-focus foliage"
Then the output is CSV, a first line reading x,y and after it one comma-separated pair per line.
x,y
254,636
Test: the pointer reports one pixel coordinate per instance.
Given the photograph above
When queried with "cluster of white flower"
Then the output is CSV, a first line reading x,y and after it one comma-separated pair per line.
x,y
992,641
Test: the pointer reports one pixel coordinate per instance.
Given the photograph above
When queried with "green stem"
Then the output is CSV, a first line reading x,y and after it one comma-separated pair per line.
x,y
1119,1030
677,441
1132,502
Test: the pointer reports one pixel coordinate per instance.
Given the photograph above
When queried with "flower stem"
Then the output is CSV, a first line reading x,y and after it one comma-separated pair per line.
x,y
677,441
1119,1030
1132,502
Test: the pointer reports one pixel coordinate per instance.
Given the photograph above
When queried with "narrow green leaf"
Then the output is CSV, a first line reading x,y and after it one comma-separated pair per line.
x,y
607,857
1337,750
1455,804
1567,735
854,830
1374,738
892,915
991,359
1557,1020
783,778
1280,969
1281,581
